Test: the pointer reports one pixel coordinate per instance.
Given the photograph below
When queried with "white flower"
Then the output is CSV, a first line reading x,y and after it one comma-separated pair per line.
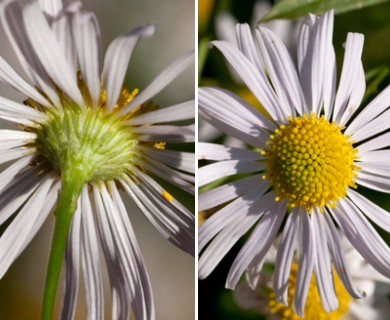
x,y
305,161
374,306
83,139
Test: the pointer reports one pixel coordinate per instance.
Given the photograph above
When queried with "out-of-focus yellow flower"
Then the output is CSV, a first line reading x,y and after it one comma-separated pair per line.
x,y
248,96
204,11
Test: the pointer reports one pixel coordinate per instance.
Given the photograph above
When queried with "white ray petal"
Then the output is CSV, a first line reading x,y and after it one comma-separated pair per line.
x,y
86,34
227,168
62,29
237,106
349,89
16,135
18,110
254,80
321,69
281,71
91,261
172,204
229,191
212,151
246,44
259,242
305,45
161,81
357,94
230,114
48,206
381,168
363,236
117,59
173,134
13,154
120,290
379,142
10,76
306,263
72,267
322,265
379,104
174,224
374,181
10,173
133,264
228,236
285,256
338,258
184,161
181,111
230,214
51,7
13,239
177,178
12,20
378,215
49,52
15,194
378,125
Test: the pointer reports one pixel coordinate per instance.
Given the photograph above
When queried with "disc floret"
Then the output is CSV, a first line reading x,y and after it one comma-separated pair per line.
x,y
310,162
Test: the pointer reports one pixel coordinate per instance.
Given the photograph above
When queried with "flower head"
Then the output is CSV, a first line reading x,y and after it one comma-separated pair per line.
x,y
83,139
304,164
375,306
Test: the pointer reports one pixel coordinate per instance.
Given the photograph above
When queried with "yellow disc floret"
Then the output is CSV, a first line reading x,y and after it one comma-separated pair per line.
x,y
310,163
313,308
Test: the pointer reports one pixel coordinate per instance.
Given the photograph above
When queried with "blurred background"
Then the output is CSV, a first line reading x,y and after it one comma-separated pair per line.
x,y
171,271
216,21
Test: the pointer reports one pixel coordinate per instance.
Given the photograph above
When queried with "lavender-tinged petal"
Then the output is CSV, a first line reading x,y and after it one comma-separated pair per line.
x,y
285,256
259,242
306,264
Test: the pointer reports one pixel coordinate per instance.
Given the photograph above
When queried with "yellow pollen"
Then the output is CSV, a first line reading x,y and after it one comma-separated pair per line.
x,y
159,145
313,307
167,196
310,163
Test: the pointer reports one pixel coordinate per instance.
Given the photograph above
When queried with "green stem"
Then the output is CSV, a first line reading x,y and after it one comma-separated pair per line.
x,y
71,186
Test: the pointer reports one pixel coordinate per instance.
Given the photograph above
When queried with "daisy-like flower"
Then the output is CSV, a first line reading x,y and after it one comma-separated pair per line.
x,y
374,306
83,139
305,165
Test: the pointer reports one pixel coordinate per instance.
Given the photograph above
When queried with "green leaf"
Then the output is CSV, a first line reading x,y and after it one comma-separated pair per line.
x,y
291,9
203,51
375,79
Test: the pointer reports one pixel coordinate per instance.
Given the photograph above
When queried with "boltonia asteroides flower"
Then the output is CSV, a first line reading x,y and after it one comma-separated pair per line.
x,y
83,139
305,165
374,306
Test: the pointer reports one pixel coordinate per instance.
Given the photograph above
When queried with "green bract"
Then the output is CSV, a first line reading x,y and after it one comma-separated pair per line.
x,y
86,141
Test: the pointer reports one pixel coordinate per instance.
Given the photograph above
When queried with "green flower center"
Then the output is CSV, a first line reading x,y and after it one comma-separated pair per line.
x,y
87,140
310,163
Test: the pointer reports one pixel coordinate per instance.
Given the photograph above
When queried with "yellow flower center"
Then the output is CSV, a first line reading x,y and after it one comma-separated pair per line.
x,y
313,307
310,163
